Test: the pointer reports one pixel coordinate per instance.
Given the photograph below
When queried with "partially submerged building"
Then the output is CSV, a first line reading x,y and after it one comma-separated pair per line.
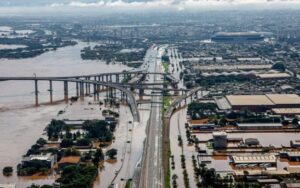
x,y
48,159
254,160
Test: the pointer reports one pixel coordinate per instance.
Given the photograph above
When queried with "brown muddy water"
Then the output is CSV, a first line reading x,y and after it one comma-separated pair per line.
x,y
21,124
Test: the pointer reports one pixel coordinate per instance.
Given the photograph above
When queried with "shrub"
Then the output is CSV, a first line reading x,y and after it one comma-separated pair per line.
x,y
7,171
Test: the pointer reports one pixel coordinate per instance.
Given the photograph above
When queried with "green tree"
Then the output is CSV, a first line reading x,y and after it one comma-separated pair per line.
x,y
98,157
66,143
41,142
112,153
7,171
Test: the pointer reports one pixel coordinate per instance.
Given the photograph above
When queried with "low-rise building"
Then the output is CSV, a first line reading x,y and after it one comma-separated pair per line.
x,y
254,160
77,124
48,159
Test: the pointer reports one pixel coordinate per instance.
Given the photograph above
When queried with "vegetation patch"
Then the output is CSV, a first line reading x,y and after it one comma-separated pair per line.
x,y
7,171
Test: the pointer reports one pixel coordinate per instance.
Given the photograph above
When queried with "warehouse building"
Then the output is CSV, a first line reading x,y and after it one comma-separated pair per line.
x,y
251,102
254,160
285,100
263,102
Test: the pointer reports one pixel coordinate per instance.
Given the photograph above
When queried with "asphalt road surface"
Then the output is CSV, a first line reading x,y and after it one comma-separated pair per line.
x,y
152,172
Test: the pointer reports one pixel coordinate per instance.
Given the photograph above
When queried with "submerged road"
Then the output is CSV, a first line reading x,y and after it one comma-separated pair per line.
x,y
152,170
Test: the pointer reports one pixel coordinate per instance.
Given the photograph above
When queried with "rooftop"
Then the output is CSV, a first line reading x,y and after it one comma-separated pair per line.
x,y
263,100
259,124
47,157
219,134
254,159
284,98
249,100
73,122
273,75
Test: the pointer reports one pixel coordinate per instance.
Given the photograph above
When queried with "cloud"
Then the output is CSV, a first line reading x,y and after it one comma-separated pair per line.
x,y
177,4
92,7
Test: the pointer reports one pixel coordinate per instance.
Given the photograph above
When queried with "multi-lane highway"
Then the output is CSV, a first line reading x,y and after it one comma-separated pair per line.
x,y
152,172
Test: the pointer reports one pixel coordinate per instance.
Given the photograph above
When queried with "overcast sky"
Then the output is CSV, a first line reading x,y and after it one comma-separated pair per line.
x,y
18,6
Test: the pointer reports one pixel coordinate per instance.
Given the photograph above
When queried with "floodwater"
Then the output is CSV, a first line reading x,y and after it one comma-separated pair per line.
x,y
177,127
21,123
63,62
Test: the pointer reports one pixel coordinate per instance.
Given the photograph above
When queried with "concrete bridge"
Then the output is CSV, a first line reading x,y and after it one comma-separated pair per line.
x,y
109,82
110,87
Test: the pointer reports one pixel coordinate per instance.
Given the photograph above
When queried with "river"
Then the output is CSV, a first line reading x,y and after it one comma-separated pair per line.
x,y
21,123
